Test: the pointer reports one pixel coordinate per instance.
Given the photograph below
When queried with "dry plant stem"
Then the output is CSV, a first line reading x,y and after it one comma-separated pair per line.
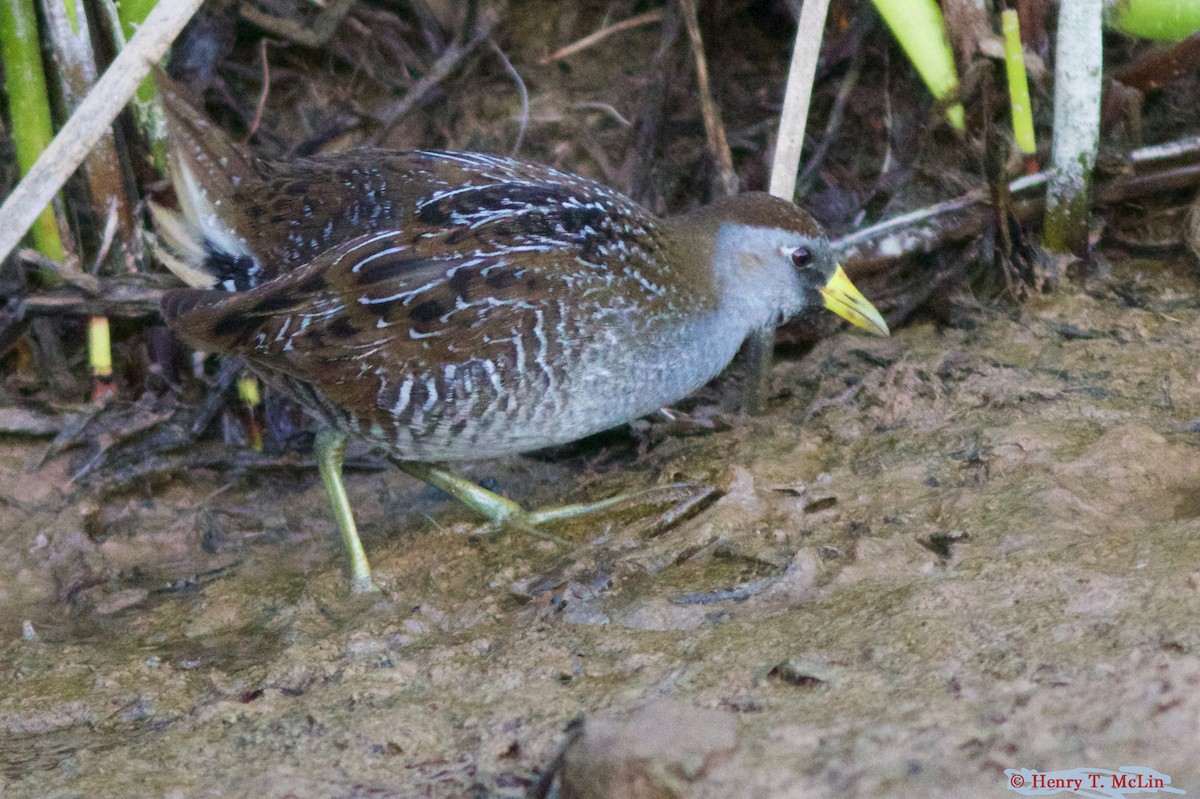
x,y
124,20
524,92
636,169
587,41
784,168
115,299
836,113
89,284
796,99
93,117
262,95
313,32
714,129
926,229
390,114
70,38
1077,84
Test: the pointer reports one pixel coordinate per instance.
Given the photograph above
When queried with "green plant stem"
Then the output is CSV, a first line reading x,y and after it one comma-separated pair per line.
x,y
1018,83
921,30
1164,20
147,112
28,106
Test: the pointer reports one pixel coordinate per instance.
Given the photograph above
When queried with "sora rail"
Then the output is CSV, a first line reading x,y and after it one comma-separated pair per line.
x,y
449,306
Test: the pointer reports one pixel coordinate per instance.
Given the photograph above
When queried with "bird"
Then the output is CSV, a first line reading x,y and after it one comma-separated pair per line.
x,y
451,306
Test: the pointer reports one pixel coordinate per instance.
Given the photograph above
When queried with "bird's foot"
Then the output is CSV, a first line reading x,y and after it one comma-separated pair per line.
x,y
502,513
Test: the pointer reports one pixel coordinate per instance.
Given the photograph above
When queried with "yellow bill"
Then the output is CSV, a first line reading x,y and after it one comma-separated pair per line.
x,y
846,301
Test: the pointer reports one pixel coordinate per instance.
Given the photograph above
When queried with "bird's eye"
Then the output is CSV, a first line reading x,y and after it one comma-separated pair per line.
x,y
802,257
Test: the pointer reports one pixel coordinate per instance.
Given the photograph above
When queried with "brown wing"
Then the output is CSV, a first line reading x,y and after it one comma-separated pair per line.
x,y
366,314
504,282
300,208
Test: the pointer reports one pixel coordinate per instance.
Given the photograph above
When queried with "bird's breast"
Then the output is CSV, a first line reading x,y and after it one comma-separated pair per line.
x,y
548,385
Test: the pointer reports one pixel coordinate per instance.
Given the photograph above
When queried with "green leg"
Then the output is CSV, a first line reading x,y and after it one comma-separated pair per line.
x,y
330,450
504,512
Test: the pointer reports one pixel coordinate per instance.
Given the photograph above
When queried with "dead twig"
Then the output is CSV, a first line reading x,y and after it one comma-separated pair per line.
x,y
808,175
592,38
110,231
607,109
516,76
390,114
111,297
17,421
310,33
714,129
927,229
89,284
636,169
262,95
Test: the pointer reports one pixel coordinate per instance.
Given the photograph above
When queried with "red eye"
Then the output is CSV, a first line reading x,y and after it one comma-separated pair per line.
x,y
801,257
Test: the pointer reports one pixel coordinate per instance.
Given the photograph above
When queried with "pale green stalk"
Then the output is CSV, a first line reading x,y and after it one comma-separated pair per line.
x,y
1078,78
1164,20
1018,83
921,30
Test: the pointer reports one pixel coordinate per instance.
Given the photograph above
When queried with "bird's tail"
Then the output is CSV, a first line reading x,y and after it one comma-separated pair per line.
x,y
200,242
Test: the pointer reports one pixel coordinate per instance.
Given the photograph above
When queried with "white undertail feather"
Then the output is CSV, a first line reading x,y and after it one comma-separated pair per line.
x,y
201,210
188,239
179,246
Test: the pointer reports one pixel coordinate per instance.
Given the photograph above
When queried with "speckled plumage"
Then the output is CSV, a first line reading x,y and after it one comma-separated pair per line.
x,y
457,306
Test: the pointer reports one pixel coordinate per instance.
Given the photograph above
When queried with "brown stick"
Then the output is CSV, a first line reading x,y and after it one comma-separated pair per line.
x,y
591,39
128,299
714,129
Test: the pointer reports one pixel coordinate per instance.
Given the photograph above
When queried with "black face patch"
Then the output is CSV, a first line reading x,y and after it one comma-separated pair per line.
x,y
237,269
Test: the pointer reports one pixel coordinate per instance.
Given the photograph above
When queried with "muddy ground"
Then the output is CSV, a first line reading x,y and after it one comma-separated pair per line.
x,y
939,556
